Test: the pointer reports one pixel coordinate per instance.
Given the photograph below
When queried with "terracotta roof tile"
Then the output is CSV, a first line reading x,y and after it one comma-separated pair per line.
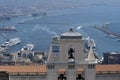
x,y
80,70
43,69
108,67
62,71
39,69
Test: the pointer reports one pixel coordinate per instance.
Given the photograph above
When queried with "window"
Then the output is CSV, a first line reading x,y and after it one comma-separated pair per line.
x,y
51,67
56,49
71,66
91,66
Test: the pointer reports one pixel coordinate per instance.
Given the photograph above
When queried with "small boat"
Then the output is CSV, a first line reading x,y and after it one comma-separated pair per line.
x,y
28,47
111,36
8,28
12,42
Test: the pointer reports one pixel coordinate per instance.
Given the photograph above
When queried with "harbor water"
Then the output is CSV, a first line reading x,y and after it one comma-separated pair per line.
x,y
39,30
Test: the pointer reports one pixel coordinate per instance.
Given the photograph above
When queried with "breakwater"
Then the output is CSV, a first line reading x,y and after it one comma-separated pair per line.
x,y
107,31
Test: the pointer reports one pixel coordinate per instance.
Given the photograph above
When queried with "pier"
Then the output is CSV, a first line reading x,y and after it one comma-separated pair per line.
x,y
108,32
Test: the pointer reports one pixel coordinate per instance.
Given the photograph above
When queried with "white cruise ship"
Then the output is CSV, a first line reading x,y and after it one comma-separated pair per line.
x,y
12,42
28,47
90,42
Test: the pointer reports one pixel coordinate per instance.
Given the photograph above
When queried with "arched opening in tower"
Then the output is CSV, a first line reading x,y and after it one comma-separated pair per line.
x,y
71,57
62,77
79,77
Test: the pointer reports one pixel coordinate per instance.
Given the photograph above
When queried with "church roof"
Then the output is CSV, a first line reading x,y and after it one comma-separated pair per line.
x,y
71,34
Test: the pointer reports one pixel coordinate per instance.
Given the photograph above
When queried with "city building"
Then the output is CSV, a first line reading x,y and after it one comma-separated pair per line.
x,y
23,58
66,61
111,58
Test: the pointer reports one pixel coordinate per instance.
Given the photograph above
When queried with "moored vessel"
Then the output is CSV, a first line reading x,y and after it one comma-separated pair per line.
x,y
12,42
90,43
8,28
28,47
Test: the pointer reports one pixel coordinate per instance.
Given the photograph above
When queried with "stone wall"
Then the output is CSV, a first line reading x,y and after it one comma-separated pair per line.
x,y
108,77
27,78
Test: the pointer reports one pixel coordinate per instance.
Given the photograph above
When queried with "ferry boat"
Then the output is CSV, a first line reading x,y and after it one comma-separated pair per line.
x,y
8,28
12,42
28,47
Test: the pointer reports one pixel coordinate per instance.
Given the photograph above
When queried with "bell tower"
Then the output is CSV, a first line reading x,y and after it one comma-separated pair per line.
x,y
71,47
66,59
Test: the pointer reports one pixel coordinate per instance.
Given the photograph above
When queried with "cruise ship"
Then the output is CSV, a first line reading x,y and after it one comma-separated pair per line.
x,y
12,42
90,42
28,47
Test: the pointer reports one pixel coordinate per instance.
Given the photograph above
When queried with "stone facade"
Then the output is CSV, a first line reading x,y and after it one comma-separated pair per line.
x,y
70,58
35,77
100,76
108,76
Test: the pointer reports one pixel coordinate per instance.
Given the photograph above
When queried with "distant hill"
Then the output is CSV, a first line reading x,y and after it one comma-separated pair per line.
x,y
51,4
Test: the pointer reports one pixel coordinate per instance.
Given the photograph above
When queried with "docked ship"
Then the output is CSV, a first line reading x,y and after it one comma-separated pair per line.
x,y
12,42
90,43
28,47
8,28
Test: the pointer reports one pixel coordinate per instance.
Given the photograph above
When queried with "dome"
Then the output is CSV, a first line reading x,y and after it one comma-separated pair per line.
x,y
71,34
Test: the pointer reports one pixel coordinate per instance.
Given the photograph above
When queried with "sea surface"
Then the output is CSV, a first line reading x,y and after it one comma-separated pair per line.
x,y
40,30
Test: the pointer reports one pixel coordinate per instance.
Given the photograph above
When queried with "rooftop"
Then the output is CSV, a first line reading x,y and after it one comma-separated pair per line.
x,y
71,34
112,67
24,69
42,69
